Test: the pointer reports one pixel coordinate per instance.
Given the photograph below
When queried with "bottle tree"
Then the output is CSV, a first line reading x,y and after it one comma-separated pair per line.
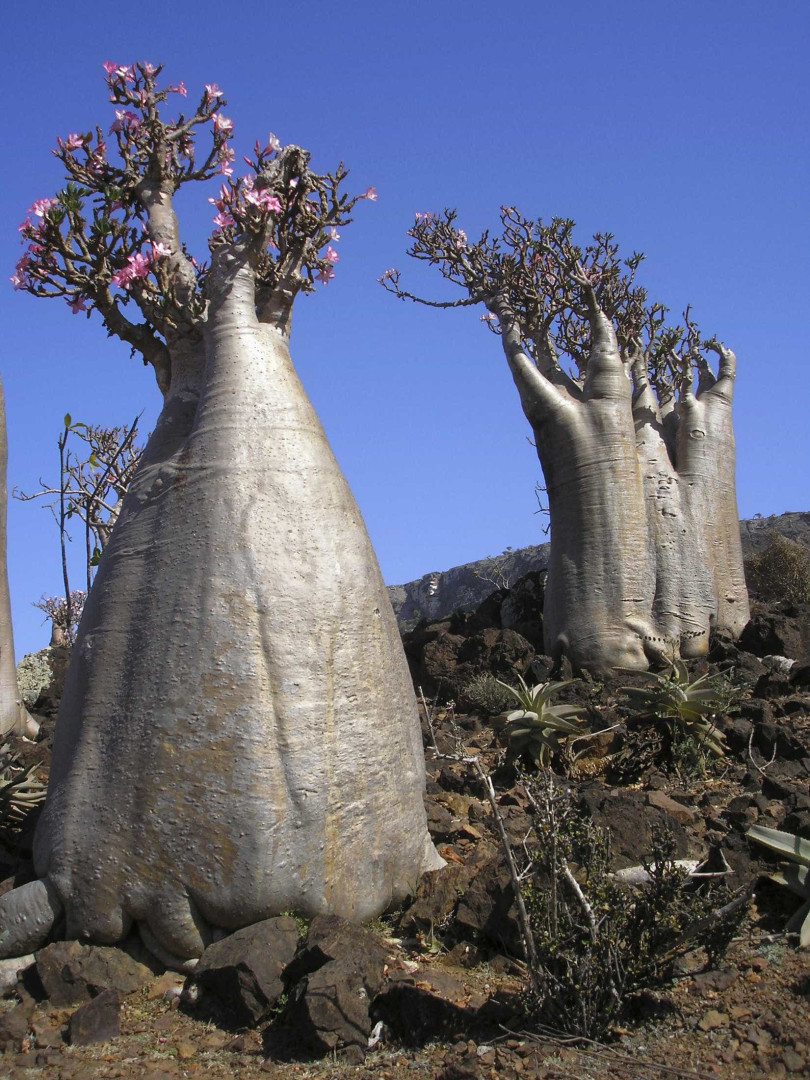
x,y
633,431
238,734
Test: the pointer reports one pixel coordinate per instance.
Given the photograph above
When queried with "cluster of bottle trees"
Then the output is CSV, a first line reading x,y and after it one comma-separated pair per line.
x,y
238,734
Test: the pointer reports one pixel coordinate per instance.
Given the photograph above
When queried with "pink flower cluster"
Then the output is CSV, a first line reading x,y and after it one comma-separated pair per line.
x,y
118,72
36,254
40,207
327,273
234,203
138,266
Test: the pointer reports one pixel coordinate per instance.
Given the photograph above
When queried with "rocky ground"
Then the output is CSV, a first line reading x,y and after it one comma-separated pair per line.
x,y
438,989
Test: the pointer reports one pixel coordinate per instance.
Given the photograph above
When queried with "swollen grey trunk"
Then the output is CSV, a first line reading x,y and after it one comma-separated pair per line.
x,y
645,556
238,735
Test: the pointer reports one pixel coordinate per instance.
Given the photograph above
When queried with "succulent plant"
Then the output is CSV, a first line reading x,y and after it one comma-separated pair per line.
x,y
684,704
20,791
795,873
536,726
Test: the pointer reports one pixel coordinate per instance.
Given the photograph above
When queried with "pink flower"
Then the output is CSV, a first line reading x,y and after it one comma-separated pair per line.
x,y
222,125
332,255
148,69
461,239
424,216
272,144
77,304
109,66
325,276
334,234
264,200
18,282
125,119
24,225
489,317
41,207
224,198
212,91
160,251
223,220
370,193
72,142
180,89
137,267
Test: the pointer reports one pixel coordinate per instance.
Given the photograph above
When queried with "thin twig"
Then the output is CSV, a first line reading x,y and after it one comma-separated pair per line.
x,y
760,768
527,937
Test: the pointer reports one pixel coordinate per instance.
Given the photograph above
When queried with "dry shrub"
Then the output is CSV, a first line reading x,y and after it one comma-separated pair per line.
x,y
781,571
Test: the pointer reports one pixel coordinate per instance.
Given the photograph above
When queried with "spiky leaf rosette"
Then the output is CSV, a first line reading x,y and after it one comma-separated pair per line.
x,y
681,703
535,728
795,873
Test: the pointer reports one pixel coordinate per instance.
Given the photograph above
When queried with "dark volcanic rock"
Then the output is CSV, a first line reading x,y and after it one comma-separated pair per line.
x,y
97,1021
448,662
439,890
487,909
72,973
628,815
426,1005
244,970
780,630
337,972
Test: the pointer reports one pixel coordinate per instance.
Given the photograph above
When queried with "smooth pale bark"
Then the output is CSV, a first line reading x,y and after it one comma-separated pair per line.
x,y
706,459
239,734
645,552
684,603
14,716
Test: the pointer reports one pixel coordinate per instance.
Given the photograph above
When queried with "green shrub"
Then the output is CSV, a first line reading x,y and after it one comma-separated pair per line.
x,y
781,571
595,941
487,694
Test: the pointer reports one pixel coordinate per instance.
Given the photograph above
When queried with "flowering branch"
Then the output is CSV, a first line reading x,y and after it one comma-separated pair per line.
x,y
110,239
551,295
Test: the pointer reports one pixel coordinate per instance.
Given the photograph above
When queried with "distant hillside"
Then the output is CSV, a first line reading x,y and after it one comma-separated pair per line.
x,y
462,588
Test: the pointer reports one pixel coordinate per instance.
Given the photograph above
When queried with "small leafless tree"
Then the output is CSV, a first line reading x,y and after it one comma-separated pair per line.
x,y
96,465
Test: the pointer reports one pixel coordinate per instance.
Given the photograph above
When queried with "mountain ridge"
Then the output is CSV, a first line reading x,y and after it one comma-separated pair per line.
x,y
463,588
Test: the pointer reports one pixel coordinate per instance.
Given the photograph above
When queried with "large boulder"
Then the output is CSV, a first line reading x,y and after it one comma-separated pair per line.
x,y
337,972
245,970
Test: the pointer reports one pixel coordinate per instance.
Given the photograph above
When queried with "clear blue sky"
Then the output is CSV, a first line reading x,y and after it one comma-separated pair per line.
x,y
681,128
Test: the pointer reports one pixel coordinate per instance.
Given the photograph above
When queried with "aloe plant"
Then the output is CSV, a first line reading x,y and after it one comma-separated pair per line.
x,y
20,790
795,873
681,703
535,727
